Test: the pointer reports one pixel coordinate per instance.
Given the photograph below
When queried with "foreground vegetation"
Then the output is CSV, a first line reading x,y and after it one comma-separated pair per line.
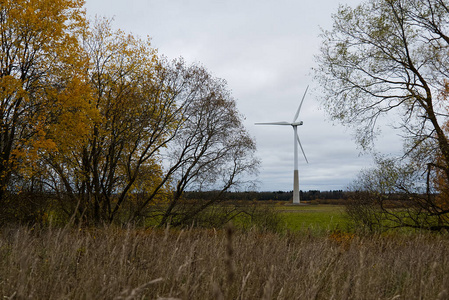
x,y
128,263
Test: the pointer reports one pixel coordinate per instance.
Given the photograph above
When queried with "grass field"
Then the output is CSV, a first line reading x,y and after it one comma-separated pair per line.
x,y
199,263
282,217
130,263
316,217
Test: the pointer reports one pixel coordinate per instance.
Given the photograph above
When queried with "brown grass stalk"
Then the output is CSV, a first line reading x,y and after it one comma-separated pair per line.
x,y
114,263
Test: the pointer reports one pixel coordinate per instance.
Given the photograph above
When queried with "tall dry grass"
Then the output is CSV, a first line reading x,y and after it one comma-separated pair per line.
x,y
115,263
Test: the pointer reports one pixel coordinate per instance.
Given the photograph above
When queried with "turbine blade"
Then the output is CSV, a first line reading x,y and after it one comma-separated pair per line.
x,y
274,123
300,105
299,142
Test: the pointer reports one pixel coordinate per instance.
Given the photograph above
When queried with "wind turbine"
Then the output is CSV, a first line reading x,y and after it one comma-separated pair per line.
x,y
296,142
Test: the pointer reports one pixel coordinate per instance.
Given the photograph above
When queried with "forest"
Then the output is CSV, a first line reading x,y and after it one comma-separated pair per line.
x,y
272,196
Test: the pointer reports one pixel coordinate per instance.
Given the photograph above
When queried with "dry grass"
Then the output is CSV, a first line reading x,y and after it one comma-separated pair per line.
x,y
115,263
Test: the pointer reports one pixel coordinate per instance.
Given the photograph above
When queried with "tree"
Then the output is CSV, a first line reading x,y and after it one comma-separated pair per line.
x,y
43,91
393,195
162,126
386,57
136,119
211,151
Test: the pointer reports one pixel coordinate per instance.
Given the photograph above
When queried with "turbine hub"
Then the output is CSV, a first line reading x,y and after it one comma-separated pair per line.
x,y
297,123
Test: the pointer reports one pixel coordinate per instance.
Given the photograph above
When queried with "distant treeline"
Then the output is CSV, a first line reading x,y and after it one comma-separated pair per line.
x,y
274,196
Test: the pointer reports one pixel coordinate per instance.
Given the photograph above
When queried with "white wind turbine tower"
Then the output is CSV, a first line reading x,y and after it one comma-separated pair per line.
x,y
296,142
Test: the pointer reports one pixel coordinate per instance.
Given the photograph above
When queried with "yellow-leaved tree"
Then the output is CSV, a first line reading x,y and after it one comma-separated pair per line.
x,y
45,99
119,159
96,120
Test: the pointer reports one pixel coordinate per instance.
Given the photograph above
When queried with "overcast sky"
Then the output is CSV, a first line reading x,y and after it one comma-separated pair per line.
x,y
265,50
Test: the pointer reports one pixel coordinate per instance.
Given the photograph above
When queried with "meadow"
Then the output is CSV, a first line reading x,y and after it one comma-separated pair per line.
x,y
230,263
314,217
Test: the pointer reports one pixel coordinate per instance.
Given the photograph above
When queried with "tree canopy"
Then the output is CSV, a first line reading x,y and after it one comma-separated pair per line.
x,y
390,57
44,93
98,121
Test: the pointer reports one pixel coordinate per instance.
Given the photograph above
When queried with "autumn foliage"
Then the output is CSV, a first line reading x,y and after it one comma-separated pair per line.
x,y
96,121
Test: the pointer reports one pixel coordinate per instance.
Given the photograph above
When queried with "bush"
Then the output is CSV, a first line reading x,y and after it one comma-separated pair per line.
x,y
363,211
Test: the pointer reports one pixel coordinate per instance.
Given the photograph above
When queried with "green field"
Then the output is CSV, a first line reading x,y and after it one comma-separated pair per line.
x,y
316,217
278,216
